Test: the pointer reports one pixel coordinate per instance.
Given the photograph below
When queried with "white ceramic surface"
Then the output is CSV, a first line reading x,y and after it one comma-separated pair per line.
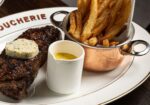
x,y
96,88
1,2
64,76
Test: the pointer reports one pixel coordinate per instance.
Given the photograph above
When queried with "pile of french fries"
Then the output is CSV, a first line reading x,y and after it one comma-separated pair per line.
x,y
97,22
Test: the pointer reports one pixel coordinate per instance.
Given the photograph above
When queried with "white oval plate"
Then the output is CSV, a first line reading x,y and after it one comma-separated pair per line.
x,y
96,88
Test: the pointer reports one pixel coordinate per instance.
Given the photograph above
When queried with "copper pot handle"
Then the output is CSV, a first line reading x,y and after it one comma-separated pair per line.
x,y
54,21
129,48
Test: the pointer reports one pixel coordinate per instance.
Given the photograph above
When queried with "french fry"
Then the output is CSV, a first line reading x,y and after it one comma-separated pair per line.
x,y
106,43
101,23
79,4
114,43
111,5
100,2
72,27
97,30
114,12
87,5
78,25
98,37
103,4
89,25
126,48
86,18
122,18
86,42
93,41
83,7
103,16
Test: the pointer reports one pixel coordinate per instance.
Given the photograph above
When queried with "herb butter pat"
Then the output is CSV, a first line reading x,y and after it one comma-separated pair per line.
x,y
22,48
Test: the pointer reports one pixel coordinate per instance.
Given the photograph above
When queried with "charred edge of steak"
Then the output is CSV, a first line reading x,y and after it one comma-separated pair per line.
x,y
16,75
16,89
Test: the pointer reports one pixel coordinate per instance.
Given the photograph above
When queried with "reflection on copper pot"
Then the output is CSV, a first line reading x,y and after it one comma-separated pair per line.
x,y
102,59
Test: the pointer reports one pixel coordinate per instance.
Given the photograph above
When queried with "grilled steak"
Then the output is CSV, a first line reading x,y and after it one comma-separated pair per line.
x,y
16,75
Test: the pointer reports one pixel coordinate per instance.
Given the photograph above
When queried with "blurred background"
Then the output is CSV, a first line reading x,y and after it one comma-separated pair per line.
x,y
141,15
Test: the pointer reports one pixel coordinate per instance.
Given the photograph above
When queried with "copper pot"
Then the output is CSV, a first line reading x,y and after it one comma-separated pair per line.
x,y
100,58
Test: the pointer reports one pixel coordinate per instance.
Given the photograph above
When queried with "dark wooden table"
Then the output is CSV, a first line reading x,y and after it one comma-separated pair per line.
x,y
140,96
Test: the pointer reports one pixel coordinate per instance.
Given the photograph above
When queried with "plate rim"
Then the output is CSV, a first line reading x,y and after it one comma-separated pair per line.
x,y
127,92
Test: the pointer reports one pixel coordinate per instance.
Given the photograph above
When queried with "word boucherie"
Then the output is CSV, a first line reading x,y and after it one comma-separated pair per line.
x,y
21,20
